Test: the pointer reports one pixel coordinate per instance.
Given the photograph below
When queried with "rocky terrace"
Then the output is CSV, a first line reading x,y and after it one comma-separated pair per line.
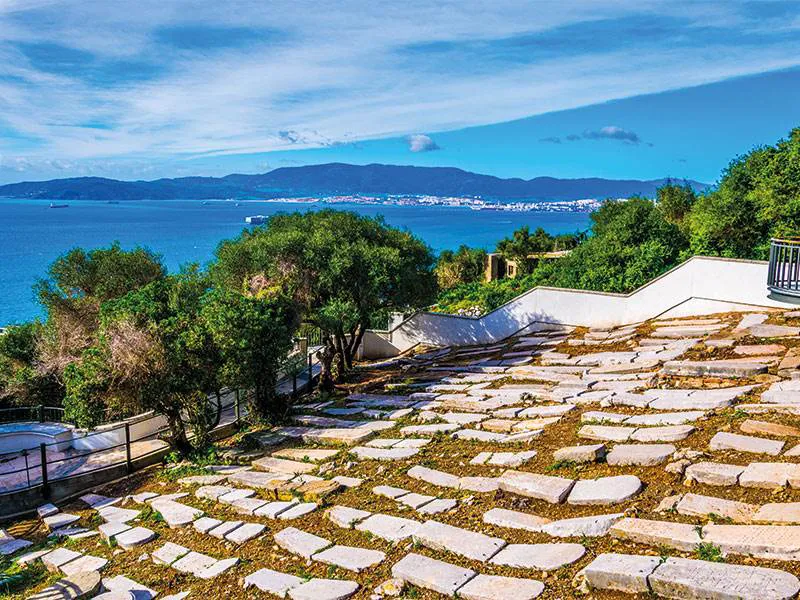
x,y
660,459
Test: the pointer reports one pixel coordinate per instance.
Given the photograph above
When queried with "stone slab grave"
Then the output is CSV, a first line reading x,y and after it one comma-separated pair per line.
x,y
724,440
605,490
543,487
284,585
470,544
542,557
688,578
646,455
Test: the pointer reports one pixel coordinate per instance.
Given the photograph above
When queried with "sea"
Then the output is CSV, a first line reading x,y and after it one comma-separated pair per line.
x,y
32,234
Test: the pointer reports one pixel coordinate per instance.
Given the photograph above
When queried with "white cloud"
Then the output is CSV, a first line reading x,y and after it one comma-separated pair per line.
x,y
419,142
338,73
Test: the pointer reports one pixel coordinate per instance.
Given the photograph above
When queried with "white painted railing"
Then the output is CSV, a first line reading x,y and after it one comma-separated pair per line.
x,y
701,285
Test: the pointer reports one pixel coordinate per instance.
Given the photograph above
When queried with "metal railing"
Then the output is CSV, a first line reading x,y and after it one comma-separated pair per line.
x,y
40,467
783,275
39,412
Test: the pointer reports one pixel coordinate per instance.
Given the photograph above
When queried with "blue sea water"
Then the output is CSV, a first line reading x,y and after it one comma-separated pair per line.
x,y
32,235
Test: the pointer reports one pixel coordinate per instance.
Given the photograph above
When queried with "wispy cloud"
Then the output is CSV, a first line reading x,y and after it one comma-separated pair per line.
x,y
186,78
419,142
612,132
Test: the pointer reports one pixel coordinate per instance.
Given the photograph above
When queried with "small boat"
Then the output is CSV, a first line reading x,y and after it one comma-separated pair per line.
x,y
54,205
113,202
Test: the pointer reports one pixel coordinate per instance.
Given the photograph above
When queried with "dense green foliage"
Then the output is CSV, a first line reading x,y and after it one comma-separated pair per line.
x,y
631,242
465,265
341,269
523,246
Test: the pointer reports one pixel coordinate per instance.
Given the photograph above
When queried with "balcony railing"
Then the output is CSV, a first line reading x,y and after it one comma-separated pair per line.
x,y
783,276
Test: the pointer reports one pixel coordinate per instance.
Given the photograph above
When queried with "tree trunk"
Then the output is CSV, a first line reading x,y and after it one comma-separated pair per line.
x,y
341,367
325,357
178,436
356,336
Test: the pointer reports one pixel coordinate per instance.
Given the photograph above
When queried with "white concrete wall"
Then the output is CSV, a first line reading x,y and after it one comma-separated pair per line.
x,y
701,285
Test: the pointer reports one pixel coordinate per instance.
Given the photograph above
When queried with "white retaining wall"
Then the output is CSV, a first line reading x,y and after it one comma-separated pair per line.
x,y
701,285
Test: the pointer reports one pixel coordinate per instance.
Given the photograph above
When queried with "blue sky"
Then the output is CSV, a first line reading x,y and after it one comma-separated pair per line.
x,y
642,89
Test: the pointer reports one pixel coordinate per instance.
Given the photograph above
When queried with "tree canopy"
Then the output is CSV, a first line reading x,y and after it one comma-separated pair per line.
x,y
343,270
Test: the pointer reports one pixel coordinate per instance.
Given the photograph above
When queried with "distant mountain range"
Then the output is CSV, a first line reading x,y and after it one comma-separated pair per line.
x,y
338,179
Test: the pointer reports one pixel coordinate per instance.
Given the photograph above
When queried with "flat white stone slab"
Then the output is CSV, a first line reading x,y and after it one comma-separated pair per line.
x,y
580,454
390,528
324,589
513,519
246,532
369,453
471,544
58,557
604,433
681,536
543,557
591,526
221,530
696,505
297,510
346,517
685,578
272,582
300,542
605,490
533,485
59,520
431,574
621,572
350,558
84,563
137,536
274,509
671,433
434,477
769,475
645,455
169,553
723,440
711,473
193,563
175,513
495,587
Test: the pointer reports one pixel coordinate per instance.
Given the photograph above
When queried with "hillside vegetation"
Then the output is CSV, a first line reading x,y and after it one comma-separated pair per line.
x,y
631,242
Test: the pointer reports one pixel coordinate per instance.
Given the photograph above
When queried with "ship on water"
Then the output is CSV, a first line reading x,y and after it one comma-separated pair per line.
x,y
54,205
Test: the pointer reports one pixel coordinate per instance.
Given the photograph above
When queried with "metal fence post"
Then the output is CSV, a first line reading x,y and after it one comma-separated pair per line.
x,y
43,463
310,372
41,413
128,462
237,410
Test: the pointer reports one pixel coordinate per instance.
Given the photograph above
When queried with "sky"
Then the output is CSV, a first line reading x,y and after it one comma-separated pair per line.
x,y
623,89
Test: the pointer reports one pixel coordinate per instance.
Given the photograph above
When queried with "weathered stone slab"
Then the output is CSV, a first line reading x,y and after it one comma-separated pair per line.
x,y
429,430
580,454
434,477
280,465
478,484
473,545
59,520
350,558
695,505
605,433
596,416
544,487
346,517
137,536
169,553
272,582
387,527
314,455
415,501
82,585
176,514
686,578
712,473
781,513
621,572
300,542
681,536
767,428
389,491
769,475
591,526
259,479
273,510
645,455
773,331
57,558
83,564
772,542
714,368
194,563
431,574
723,440
206,524
437,506
368,453
605,490
544,557
669,418
672,433
246,532
121,584
495,587
297,510
324,589
513,519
